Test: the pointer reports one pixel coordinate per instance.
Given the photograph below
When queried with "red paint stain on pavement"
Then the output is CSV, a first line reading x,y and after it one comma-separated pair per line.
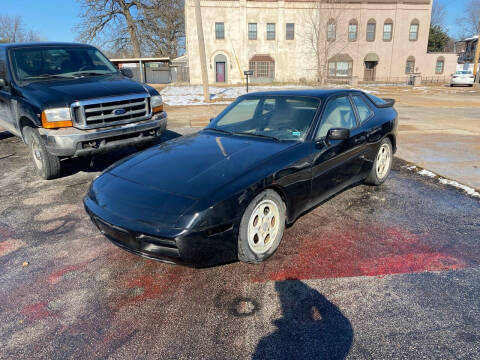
x,y
5,232
9,246
360,250
57,276
37,311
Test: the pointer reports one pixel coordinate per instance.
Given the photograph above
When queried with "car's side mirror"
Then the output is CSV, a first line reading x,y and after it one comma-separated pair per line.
x,y
338,134
127,72
3,83
211,119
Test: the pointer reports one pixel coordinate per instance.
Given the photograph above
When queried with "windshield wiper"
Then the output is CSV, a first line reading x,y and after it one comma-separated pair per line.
x,y
46,76
218,130
87,73
257,135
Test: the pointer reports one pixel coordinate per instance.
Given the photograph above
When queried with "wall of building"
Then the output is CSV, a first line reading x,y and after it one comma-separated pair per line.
x,y
296,59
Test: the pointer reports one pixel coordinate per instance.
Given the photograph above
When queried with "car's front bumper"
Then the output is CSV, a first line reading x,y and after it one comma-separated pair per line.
x,y
75,142
172,245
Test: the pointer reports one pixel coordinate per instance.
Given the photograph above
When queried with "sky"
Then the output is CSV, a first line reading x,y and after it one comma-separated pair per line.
x,y
54,19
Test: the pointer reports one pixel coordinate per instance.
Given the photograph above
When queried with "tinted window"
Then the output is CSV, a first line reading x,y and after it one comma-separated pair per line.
x,y
29,63
3,61
364,112
283,117
338,114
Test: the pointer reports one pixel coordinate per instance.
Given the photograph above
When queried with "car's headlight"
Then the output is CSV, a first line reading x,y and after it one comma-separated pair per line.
x,y
156,102
56,118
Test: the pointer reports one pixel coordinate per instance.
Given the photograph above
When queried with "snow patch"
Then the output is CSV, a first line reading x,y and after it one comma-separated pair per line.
x,y
470,191
424,172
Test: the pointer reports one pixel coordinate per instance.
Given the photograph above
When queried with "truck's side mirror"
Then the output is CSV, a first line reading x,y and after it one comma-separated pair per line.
x,y
127,72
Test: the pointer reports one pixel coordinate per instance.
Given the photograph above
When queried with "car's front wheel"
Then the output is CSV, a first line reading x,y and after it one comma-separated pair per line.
x,y
382,164
261,227
46,164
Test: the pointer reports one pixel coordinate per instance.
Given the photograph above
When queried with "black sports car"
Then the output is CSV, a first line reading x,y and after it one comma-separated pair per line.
x,y
227,192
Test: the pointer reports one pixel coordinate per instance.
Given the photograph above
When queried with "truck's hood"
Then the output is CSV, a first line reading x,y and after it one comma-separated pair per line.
x,y
55,93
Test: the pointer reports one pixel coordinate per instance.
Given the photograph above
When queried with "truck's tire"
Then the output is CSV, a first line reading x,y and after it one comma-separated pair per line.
x,y
261,227
47,165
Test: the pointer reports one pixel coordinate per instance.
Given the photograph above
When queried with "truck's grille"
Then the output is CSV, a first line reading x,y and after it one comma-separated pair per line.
x,y
90,114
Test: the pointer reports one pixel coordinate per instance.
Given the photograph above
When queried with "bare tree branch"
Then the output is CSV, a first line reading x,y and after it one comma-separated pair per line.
x,y
13,30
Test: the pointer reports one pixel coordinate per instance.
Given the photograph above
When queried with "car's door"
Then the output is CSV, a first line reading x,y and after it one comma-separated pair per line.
x,y
6,116
336,163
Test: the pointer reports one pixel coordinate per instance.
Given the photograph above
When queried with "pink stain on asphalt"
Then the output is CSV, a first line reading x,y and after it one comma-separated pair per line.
x,y
37,311
10,245
57,276
360,250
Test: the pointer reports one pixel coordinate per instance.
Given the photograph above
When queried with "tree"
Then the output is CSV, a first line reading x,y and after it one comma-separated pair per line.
x,y
438,13
322,36
438,39
13,30
470,23
137,27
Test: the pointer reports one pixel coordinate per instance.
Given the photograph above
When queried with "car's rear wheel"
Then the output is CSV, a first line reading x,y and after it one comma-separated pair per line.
x,y
47,165
261,227
382,164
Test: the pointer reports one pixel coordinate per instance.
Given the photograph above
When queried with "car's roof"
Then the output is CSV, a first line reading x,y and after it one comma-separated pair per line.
x,y
319,93
40,44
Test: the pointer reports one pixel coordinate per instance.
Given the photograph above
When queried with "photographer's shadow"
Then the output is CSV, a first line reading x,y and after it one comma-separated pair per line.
x,y
311,327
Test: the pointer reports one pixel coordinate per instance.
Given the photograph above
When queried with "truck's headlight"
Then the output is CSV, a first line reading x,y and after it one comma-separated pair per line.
x,y
56,118
156,103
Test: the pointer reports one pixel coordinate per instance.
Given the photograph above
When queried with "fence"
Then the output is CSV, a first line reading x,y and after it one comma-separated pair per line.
x,y
179,74
394,81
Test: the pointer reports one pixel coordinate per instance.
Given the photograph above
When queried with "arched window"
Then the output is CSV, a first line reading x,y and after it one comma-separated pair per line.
x,y
371,29
263,67
414,26
388,30
331,30
352,30
440,65
410,65
340,65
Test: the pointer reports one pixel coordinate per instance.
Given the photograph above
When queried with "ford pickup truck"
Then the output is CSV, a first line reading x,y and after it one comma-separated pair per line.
x,y
67,100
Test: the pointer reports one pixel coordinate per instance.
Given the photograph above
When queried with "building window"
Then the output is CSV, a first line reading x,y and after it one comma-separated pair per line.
x,y
371,27
270,31
440,65
410,66
414,30
263,67
219,30
290,31
340,66
388,30
352,30
331,30
252,31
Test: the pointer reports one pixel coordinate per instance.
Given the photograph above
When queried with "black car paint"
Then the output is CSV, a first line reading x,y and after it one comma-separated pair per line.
x,y
193,190
22,102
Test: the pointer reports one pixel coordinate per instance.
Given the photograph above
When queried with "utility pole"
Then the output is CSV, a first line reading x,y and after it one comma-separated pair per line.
x,y
477,54
201,45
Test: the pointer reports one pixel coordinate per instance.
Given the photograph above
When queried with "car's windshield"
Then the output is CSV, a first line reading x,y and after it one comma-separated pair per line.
x,y
31,63
278,117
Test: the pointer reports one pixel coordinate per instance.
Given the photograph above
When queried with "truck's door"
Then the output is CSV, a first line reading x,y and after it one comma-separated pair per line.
x,y
7,120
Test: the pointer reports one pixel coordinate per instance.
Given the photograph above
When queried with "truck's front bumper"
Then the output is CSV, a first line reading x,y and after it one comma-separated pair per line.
x,y
75,142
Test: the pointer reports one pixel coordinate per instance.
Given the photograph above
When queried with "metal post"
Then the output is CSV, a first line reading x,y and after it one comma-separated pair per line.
x,y
201,45
140,64
247,83
477,54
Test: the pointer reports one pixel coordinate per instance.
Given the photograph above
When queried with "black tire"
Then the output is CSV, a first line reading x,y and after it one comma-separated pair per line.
x,y
374,177
47,165
245,251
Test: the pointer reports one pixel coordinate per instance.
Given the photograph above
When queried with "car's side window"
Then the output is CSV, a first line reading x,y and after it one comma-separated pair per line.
x,y
364,111
338,114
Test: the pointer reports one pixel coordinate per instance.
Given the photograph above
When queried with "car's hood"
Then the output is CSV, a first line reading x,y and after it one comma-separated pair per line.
x,y
53,93
197,165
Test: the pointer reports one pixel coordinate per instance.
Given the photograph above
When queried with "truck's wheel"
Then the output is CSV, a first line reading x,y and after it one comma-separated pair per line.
x,y
261,227
46,164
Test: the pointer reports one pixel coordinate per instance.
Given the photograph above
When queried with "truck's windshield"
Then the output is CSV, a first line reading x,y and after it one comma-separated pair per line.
x,y
32,63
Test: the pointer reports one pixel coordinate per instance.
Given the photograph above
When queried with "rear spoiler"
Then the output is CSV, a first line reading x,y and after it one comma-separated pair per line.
x,y
386,104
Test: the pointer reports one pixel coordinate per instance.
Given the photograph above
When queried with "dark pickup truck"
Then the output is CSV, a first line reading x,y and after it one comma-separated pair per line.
x,y
68,100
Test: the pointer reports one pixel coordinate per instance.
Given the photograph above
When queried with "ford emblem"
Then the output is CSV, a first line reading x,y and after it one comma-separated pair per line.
x,y
119,112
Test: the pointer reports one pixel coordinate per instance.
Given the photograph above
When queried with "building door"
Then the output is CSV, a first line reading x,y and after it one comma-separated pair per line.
x,y
220,72
370,67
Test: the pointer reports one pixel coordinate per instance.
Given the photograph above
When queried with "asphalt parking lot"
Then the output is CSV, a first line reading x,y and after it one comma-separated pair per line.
x,y
385,273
